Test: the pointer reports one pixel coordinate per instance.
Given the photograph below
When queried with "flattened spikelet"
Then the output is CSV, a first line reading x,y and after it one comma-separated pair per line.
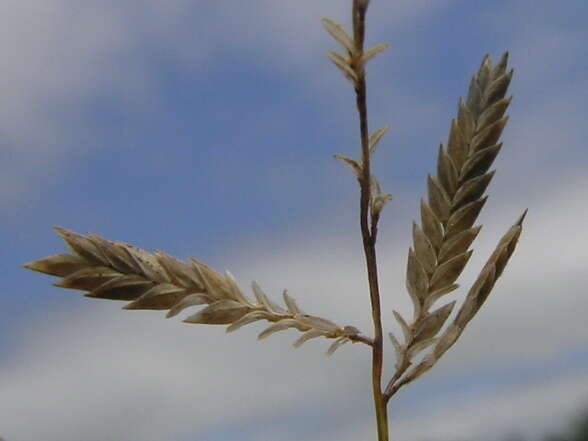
x,y
308,335
476,297
343,63
58,265
375,138
455,198
373,52
456,193
431,325
339,33
336,345
119,271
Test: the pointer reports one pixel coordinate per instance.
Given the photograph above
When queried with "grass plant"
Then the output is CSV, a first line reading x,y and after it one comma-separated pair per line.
x,y
440,250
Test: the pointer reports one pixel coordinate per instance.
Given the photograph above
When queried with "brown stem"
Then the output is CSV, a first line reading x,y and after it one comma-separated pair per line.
x,y
361,339
369,234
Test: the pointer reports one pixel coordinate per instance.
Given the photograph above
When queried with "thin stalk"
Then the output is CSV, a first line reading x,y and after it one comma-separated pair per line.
x,y
369,234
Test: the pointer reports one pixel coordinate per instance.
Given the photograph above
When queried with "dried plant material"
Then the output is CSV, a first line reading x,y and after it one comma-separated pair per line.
x,y
399,351
431,225
480,161
419,347
437,294
477,295
397,346
439,200
457,244
424,251
404,326
59,265
221,312
439,253
339,33
464,217
291,304
490,273
261,296
373,52
455,197
355,166
430,326
336,345
344,65
378,200
378,203
352,66
317,323
417,282
158,297
376,137
250,317
446,273
119,271
281,326
186,302
309,335
447,171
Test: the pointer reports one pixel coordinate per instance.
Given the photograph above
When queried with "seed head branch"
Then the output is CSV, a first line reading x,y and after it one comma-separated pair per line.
x,y
119,271
441,243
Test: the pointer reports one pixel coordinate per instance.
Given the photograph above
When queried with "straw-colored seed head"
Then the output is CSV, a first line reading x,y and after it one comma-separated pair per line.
x,y
119,271
441,243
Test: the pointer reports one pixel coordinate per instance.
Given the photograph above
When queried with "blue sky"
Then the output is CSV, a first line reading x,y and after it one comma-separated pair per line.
x,y
207,129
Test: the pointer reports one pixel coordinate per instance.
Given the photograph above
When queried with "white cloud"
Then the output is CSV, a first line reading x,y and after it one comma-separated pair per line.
x,y
96,373
542,285
100,374
152,371
530,411
545,133
61,55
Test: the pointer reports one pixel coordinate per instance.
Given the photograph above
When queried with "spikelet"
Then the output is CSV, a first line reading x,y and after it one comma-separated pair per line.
x,y
441,242
119,271
476,296
352,63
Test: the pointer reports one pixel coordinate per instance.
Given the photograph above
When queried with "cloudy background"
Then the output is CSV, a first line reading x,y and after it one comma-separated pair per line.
x,y
207,129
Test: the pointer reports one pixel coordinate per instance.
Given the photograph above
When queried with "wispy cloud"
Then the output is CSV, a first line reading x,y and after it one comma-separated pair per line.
x,y
120,375
168,379
64,58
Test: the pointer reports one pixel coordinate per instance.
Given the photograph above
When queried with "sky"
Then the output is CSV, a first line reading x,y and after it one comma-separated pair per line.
x,y
207,129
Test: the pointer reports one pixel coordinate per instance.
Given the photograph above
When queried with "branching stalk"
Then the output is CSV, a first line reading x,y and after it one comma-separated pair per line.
x,y
369,230
441,243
